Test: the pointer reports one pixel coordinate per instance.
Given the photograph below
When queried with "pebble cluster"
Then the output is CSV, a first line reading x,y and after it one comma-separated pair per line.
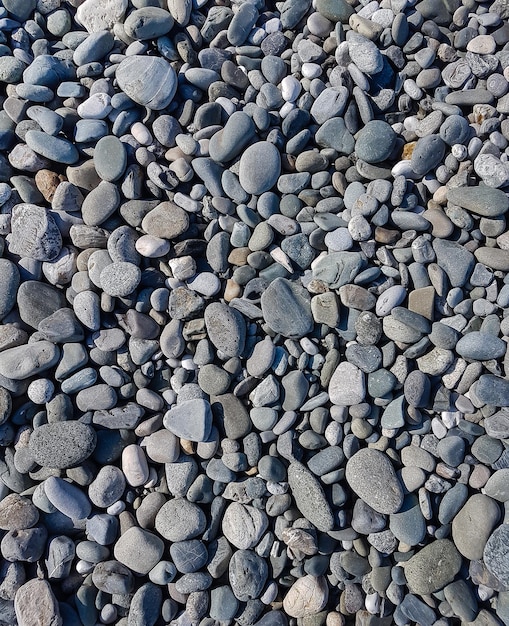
x,y
254,284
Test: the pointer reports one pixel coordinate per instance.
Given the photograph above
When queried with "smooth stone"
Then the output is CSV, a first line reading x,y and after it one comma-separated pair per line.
x,y
335,10
22,362
309,497
427,154
110,158
139,550
148,23
375,142
433,567
226,328
107,487
44,611
189,556
197,428
259,168
67,498
166,220
9,283
180,520
334,134
247,573
286,309
409,525
496,554
482,200
230,141
53,148
149,81
455,260
306,597
497,485
371,476
243,525
62,444
347,385
489,389
145,606
494,258
34,233
480,346
48,71
473,524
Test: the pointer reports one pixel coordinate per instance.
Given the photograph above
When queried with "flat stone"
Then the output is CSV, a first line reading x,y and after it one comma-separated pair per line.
x,y
62,444
309,497
306,597
149,81
139,550
113,578
455,260
53,148
481,200
480,346
375,142
22,362
34,233
433,567
166,220
44,611
67,498
189,556
494,258
286,309
371,476
110,158
191,420
347,385
496,554
96,15
107,487
490,389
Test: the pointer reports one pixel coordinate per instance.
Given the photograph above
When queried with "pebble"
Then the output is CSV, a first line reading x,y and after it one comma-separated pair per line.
x,y
139,550
385,494
252,303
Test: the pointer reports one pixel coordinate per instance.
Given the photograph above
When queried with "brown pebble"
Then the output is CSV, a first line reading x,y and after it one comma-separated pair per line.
x,y
238,256
386,236
442,225
408,149
47,183
232,290
479,476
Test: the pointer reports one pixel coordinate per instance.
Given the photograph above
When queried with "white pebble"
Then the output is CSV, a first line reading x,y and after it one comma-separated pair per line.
x,y
311,70
372,603
96,107
290,88
205,283
226,104
273,25
285,109
141,133
40,391
459,151
152,247
134,465
438,428
84,567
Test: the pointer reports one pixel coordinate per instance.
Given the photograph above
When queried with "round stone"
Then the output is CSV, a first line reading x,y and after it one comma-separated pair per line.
x,y
110,158
375,142
139,550
120,279
62,445
148,80
260,166
433,567
371,476
179,520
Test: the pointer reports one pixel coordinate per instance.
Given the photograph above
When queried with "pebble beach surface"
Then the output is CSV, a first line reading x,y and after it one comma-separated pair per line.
x,y
254,284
